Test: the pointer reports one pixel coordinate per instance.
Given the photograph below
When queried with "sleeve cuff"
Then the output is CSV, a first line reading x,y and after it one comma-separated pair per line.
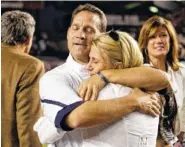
x,y
163,91
62,114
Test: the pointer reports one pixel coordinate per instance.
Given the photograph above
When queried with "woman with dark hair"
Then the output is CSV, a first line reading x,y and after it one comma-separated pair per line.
x,y
158,43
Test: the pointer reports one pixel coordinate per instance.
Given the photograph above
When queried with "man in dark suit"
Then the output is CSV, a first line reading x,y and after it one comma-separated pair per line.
x,y
20,102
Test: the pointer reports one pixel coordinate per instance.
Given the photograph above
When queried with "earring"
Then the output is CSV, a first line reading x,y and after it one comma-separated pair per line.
x,y
146,56
146,52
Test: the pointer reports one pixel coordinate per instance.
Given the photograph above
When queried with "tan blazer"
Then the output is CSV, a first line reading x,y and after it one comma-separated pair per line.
x,y
20,102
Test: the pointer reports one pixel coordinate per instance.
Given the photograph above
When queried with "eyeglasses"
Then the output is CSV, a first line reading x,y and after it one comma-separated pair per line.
x,y
114,35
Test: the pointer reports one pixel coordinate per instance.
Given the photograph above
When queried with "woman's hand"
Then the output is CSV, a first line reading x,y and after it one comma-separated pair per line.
x,y
177,144
90,88
181,136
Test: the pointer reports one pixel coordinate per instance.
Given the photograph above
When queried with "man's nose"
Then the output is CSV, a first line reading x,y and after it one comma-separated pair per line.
x,y
81,34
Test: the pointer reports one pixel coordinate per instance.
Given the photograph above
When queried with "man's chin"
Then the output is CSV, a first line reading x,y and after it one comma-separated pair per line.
x,y
84,52
82,49
84,56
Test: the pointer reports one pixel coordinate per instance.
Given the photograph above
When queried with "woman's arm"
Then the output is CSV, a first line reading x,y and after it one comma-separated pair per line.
x,y
149,78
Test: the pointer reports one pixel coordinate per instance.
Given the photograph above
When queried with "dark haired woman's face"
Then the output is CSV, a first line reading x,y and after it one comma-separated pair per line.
x,y
159,44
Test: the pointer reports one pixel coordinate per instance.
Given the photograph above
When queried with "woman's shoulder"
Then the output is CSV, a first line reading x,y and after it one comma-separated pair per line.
x,y
182,68
182,65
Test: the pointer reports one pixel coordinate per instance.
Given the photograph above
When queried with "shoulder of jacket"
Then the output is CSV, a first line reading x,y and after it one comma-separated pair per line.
x,y
31,61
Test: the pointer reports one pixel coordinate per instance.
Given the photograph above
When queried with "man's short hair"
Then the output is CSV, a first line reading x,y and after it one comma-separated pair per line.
x,y
93,9
16,27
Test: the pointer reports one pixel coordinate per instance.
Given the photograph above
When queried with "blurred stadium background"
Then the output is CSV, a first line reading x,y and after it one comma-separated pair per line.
x,y
53,18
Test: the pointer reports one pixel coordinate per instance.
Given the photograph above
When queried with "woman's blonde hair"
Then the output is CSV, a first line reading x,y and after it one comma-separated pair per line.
x,y
149,28
125,49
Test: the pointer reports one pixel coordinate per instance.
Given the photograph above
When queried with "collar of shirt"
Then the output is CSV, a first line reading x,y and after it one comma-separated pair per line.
x,y
77,67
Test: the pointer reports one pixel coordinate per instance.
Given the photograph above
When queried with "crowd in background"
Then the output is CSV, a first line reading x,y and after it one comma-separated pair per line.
x,y
54,53
49,42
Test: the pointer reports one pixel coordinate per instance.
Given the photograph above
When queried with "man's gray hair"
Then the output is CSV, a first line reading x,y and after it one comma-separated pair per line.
x,y
93,9
16,27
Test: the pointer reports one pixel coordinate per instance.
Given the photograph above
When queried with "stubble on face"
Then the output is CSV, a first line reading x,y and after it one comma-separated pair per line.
x,y
84,28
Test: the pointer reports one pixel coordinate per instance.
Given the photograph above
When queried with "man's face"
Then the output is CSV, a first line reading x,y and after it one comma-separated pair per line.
x,y
84,28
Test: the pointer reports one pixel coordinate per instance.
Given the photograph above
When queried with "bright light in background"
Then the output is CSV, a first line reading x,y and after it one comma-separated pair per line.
x,y
132,5
153,9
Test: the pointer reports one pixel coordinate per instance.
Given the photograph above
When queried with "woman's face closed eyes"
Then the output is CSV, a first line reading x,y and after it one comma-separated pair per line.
x,y
98,62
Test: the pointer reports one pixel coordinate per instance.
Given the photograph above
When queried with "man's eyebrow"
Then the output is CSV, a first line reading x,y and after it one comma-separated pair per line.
x,y
89,26
74,24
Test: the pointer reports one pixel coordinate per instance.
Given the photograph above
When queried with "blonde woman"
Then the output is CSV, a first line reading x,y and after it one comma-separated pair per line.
x,y
117,50
158,43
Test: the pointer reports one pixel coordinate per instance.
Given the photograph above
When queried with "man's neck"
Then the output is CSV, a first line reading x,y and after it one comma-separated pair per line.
x,y
81,61
19,48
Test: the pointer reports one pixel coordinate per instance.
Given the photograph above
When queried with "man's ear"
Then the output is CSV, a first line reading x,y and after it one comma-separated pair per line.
x,y
27,42
68,32
118,65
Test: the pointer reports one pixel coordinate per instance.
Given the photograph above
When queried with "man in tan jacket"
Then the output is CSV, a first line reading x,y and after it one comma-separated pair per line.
x,y
20,102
